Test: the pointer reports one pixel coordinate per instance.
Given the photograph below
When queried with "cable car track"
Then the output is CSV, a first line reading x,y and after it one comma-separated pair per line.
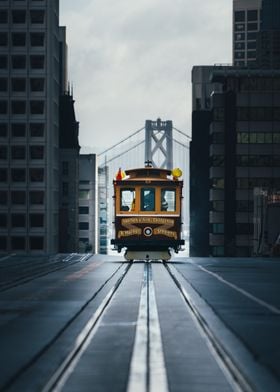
x,y
31,270
225,361
147,370
85,331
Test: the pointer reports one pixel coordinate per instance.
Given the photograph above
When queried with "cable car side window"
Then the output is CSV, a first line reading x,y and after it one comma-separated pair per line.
x,y
127,199
148,199
168,200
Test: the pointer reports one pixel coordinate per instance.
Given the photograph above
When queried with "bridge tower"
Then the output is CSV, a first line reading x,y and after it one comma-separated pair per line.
x,y
159,143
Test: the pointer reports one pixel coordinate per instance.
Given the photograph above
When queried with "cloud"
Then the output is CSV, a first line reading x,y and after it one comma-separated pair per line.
x,y
132,61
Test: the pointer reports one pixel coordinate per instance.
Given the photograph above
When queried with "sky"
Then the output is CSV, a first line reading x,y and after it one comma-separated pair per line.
x,y
131,61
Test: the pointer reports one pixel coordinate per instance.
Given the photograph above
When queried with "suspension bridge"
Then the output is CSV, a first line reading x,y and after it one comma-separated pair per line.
x,y
158,142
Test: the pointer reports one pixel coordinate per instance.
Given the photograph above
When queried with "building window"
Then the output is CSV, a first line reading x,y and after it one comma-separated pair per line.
x,y
3,152
251,36
3,62
3,130
18,39
244,228
239,16
83,210
218,183
36,243
36,152
239,36
3,243
3,220
3,175
239,55
37,16
36,197
18,175
83,225
18,197
18,85
18,107
252,54
19,62
18,130
3,107
3,84
218,228
65,190
37,39
18,220
18,243
251,45
36,220
218,114
36,129
37,107
218,250
3,39
65,168
252,26
239,27
18,152
240,46
252,15
3,198
218,205
3,16
37,62
37,84
36,175
84,195
18,16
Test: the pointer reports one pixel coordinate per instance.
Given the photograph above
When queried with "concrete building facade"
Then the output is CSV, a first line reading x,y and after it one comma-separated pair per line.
x,y
88,206
246,25
244,154
29,125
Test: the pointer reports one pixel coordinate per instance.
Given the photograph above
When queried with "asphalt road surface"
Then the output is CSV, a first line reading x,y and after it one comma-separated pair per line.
x,y
97,323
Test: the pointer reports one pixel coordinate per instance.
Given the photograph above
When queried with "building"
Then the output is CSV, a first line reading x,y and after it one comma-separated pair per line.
x,y
88,206
266,222
103,209
268,43
244,154
69,175
29,125
202,89
246,25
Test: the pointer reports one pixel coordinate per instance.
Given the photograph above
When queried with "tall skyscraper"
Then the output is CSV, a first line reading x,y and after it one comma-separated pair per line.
x,y
268,43
29,125
246,25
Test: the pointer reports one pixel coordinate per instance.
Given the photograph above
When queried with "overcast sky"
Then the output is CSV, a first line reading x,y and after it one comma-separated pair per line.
x,y
131,60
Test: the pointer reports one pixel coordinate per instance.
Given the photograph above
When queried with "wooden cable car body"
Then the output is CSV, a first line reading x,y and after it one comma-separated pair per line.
x,y
148,212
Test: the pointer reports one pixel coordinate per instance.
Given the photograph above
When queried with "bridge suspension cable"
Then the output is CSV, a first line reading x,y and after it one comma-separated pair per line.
x,y
122,153
122,141
182,133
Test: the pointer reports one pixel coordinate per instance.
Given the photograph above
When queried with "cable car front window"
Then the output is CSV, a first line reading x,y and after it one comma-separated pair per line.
x,y
168,200
147,199
128,199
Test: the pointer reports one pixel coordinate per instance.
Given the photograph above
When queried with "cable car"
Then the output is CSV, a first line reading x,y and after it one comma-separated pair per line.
x,y
148,213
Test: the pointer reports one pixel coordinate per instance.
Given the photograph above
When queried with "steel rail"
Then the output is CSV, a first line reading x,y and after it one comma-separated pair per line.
x,y
62,374
147,369
231,370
